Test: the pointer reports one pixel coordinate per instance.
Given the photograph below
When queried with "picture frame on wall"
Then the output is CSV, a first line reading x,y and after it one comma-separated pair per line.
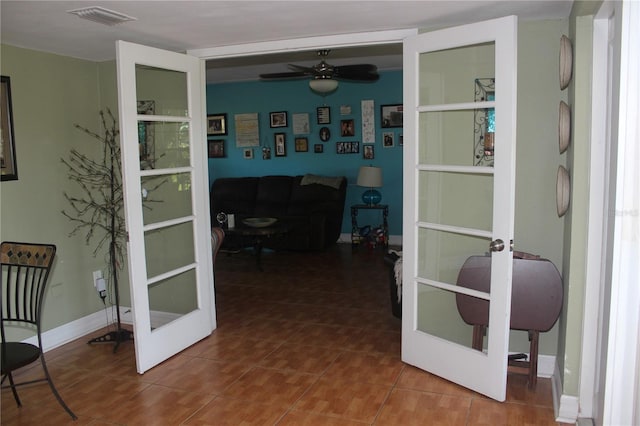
x,y
388,139
302,144
347,128
325,134
216,148
278,119
368,152
318,148
217,124
391,116
247,154
280,142
324,115
347,147
8,163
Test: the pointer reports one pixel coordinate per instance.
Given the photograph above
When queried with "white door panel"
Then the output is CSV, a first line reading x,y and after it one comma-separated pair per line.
x,y
459,88
161,101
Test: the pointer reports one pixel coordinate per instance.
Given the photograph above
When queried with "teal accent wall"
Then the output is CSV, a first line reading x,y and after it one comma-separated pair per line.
x,y
294,96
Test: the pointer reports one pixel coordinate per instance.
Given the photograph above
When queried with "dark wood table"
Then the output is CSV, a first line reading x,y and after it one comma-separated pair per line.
x,y
256,236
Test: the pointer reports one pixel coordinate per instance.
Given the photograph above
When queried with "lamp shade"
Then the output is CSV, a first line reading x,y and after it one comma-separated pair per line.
x,y
323,85
370,176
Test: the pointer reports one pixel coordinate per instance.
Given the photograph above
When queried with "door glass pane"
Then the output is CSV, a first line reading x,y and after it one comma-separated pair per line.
x,y
441,254
169,248
472,206
438,315
457,260
448,76
166,197
171,298
166,144
450,136
165,89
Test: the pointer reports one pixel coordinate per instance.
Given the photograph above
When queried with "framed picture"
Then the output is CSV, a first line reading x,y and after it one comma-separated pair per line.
x,y
325,134
347,128
217,124
8,163
280,141
318,148
278,119
300,123
367,152
388,139
391,115
216,148
347,147
302,144
324,115
266,153
247,154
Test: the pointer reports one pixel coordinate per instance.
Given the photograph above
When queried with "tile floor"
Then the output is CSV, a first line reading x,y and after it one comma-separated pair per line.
x,y
309,341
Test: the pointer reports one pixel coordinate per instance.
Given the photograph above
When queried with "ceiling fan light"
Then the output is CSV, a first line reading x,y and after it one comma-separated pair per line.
x,y
323,85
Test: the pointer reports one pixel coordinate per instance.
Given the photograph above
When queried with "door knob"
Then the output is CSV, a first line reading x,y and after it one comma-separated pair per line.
x,y
496,245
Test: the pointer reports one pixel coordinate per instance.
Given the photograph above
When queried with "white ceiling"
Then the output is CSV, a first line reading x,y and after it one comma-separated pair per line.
x,y
184,25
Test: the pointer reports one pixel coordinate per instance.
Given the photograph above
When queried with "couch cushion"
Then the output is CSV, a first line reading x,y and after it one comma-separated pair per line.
x,y
233,195
315,198
272,197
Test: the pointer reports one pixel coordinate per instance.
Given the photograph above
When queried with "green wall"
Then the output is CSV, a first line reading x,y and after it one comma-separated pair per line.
x,y
538,229
50,94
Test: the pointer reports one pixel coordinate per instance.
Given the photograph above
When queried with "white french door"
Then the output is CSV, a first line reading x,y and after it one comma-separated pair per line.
x,y
161,102
459,180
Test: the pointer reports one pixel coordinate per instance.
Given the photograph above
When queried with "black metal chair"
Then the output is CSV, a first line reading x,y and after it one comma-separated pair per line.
x,y
25,270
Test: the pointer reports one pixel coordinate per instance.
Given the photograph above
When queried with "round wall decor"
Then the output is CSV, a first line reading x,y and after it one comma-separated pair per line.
x,y
325,134
566,62
564,126
563,191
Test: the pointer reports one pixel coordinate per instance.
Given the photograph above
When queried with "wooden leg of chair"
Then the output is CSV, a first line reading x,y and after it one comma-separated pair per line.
x,y
478,337
533,358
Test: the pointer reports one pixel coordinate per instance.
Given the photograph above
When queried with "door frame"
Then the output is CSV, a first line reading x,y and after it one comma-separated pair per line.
x,y
335,41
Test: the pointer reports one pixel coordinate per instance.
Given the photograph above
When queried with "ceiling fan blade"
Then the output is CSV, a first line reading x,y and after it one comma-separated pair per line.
x,y
364,72
300,68
293,74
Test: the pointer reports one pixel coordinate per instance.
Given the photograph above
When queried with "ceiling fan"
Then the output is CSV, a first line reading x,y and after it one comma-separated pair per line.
x,y
326,76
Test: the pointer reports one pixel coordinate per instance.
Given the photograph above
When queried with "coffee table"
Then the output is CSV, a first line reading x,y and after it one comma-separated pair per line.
x,y
255,237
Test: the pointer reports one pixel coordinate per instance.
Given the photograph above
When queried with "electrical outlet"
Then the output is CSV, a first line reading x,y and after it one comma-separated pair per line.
x,y
96,276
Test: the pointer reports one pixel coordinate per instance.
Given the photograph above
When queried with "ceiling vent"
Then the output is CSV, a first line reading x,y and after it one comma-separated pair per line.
x,y
102,15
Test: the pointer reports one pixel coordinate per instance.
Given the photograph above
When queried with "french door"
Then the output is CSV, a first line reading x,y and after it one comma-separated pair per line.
x,y
459,180
161,102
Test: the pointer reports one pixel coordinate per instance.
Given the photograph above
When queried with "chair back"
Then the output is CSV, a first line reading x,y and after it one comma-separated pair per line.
x,y
25,270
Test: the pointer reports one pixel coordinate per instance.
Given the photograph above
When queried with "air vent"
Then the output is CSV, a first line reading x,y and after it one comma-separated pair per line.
x,y
102,15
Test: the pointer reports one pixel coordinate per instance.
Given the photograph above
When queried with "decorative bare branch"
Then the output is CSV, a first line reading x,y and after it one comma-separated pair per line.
x,y
99,211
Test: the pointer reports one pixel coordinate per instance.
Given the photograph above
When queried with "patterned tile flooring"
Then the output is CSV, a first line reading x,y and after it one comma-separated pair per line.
x,y
309,341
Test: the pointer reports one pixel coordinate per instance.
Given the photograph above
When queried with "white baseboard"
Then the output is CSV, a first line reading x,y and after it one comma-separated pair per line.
x,y
546,366
73,330
566,407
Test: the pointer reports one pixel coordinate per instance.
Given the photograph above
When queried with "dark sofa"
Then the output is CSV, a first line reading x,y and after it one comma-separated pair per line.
x,y
311,205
